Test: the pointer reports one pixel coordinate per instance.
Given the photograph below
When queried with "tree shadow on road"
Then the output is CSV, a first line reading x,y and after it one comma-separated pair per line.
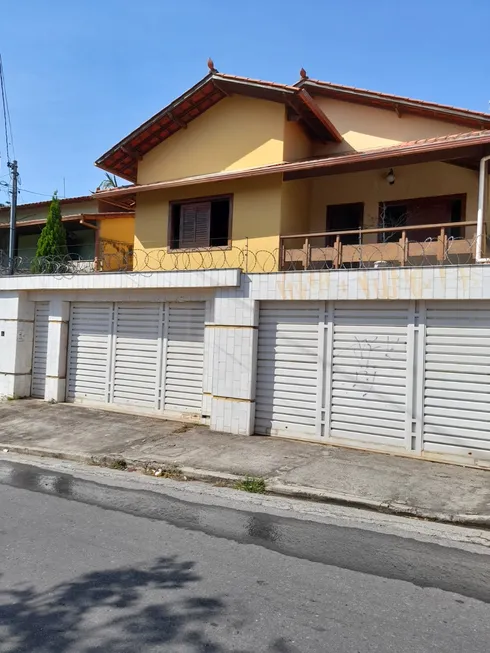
x,y
124,610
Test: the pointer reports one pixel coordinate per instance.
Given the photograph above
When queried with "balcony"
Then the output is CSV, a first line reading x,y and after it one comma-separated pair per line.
x,y
329,250
394,247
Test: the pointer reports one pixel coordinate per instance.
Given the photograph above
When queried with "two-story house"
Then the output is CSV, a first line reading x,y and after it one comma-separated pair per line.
x,y
309,261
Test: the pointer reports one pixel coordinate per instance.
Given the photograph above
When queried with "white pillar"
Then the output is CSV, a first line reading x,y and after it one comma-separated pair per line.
x,y
16,334
234,347
59,314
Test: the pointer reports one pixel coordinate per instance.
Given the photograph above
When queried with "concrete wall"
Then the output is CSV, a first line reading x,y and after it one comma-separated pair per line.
x,y
16,339
235,134
232,315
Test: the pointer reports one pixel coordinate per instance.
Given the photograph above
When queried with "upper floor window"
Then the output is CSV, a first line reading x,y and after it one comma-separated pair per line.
x,y
202,223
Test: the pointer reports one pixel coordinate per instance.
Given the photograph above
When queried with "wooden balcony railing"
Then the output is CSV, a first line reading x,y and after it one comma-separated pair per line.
x,y
313,253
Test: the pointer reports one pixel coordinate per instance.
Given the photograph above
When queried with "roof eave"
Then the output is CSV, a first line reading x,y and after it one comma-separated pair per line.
x,y
151,121
122,159
399,155
450,114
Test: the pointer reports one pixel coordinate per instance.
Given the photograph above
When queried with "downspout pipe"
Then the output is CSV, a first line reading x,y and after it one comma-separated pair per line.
x,y
481,211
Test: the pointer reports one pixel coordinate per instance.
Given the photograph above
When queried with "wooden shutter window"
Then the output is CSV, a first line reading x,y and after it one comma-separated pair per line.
x,y
195,225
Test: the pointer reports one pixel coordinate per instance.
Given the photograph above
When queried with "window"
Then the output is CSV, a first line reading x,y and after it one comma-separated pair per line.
x,y
200,223
390,217
419,212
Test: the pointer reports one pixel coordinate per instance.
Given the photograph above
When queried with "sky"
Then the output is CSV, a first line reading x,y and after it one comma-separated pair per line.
x,y
82,75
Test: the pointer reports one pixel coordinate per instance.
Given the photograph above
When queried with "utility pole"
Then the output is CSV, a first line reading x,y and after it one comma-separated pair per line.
x,y
13,214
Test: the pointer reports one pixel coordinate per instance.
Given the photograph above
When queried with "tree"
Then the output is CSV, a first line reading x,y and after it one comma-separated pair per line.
x,y
110,181
51,247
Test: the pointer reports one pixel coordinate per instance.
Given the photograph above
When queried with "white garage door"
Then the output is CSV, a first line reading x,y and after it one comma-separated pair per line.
x,y
184,357
40,349
335,371
89,351
287,368
146,355
369,372
137,354
457,378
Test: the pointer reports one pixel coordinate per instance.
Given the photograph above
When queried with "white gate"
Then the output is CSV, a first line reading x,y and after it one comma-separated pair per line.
x,y
145,355
406,376
136,361
457,378
40,349
89,351
287,368
370,378
184,358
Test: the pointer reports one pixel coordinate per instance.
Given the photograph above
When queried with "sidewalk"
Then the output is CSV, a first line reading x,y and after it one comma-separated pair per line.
x,y
377,481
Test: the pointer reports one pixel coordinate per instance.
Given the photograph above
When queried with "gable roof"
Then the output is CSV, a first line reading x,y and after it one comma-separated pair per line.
x,y
122,159
444,148
399,103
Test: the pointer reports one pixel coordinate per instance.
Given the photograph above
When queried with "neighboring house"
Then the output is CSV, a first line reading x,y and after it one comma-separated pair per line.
x,y
92,229
308,262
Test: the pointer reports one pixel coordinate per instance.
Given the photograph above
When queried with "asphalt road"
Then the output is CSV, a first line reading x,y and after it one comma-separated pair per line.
x,y
93,560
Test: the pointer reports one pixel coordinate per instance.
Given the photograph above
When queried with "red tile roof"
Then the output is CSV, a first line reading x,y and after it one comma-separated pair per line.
x,y
445,112
122,159
444,148
63,201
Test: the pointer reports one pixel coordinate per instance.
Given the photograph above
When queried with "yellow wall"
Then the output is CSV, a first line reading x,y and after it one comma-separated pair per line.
x,y
237,133
119,229
297,145
365,128
295,209
423,180
264,208
256,224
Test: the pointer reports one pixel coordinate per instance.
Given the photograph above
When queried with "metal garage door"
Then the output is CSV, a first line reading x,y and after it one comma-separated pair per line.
x,y
137,355
457,378
337,371
146,355
89,351
287,368
184,357
369,375
40,349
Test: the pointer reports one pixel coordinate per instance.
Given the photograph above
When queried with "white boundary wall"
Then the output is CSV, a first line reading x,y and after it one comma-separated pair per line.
x,y
232,313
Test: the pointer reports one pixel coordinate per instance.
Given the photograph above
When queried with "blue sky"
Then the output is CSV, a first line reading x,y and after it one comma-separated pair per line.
x,y
81,75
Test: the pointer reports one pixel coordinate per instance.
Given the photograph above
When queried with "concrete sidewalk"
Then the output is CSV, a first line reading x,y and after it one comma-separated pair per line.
x,y
370,480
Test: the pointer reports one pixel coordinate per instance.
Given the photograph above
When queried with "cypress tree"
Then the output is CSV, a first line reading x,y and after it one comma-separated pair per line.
x,y
51,247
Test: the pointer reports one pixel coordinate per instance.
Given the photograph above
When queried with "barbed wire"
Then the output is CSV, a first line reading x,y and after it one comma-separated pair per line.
x,y
114,256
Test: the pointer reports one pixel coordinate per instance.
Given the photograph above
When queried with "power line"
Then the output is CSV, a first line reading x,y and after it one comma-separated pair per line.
x,y
24,190
6,115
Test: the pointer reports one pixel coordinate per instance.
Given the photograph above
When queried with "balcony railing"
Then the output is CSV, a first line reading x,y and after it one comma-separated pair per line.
x,y
329,249
314,251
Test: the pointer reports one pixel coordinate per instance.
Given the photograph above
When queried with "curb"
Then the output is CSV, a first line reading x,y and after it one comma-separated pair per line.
x,y
273,488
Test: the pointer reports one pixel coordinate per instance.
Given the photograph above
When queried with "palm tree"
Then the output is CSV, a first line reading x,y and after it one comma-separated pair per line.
x,y
110,181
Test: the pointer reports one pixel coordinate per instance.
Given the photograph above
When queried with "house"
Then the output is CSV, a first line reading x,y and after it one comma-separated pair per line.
x,y
309,261
94,228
